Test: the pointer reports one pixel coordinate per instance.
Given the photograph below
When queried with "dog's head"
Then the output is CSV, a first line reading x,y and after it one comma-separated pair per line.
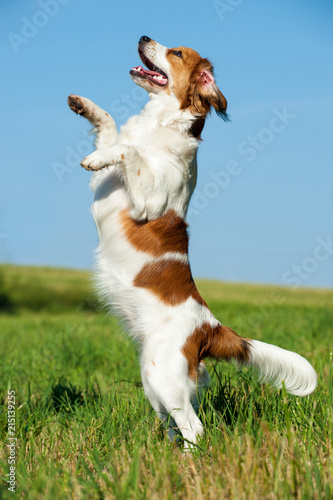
x,y
180,72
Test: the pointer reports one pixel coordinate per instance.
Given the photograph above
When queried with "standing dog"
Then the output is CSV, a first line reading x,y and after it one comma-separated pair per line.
x,y
140,205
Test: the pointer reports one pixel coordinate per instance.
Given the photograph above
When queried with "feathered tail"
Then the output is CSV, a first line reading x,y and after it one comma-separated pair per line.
x,y
273,364
278,366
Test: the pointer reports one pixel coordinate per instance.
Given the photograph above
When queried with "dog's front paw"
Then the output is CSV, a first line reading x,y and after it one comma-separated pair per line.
x,y
96,161
77,104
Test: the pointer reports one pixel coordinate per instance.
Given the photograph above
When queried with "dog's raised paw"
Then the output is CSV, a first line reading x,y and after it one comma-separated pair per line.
x,y
95,161
76,103
88,166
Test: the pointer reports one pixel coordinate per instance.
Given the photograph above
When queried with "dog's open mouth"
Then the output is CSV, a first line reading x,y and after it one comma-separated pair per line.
x,y
153,74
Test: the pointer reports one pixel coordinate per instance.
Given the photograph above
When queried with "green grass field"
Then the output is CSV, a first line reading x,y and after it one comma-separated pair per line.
x,y
85,430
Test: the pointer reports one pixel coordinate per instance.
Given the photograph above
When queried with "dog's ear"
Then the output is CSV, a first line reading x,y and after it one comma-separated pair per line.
x,y
206,94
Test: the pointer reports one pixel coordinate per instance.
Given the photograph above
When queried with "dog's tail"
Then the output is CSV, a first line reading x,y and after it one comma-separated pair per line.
x,y
273,364
278,366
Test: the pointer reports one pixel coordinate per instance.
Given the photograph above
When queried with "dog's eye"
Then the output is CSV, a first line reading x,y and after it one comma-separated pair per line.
x,y
178,53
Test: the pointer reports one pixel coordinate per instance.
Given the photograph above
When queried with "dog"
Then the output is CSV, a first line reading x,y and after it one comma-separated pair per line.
x,y
143,182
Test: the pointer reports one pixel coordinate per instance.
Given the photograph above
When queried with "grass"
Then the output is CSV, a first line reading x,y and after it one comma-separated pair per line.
x,y
85,429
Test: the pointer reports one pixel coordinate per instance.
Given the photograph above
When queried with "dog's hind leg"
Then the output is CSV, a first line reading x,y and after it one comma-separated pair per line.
x,y
160,410
105,127
179,413
169,390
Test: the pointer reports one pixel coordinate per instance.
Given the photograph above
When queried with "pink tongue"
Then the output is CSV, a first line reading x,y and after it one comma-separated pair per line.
x,y
152,73
142,70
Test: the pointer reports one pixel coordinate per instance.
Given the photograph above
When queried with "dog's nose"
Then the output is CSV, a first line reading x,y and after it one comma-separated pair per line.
x,y
144,39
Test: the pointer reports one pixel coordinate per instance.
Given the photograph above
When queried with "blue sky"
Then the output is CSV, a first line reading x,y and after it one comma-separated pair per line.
x,y
262,211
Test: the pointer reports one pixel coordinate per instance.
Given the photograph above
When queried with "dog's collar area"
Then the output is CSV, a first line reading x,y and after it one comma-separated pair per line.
x,y
154,74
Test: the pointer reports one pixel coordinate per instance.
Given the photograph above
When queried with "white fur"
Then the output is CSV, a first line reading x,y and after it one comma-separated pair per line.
x,y
157,145
281,367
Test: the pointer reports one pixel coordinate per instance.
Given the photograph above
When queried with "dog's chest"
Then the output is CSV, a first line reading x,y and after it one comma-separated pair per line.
x,y
159,145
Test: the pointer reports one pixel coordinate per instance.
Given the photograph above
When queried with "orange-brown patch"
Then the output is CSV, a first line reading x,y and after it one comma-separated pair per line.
x,y
139,172
219,342
183,70
170,280
122,156
167,233
189,88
